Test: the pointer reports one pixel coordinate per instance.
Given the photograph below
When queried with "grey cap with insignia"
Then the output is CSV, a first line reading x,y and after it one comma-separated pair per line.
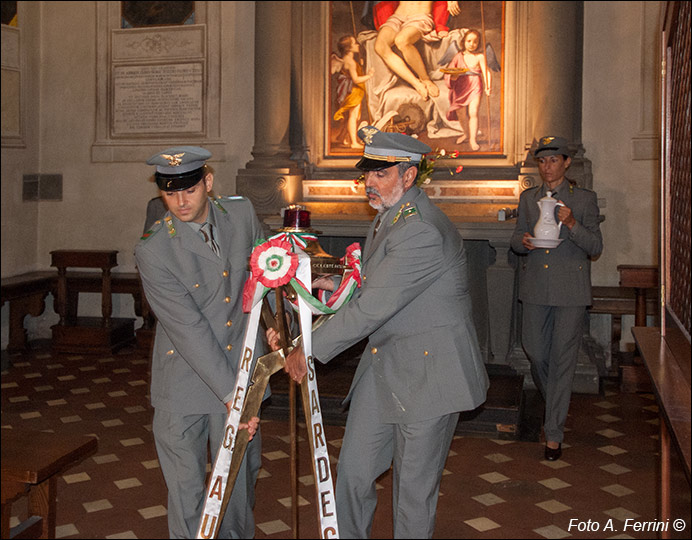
x,y
383,149
551,146
179,167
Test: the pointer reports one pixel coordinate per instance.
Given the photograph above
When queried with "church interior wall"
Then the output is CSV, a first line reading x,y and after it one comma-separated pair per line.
x,y
621,134
103,204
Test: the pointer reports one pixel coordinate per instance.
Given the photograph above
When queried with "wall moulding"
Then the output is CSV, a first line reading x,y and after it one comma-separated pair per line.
x,y
12,103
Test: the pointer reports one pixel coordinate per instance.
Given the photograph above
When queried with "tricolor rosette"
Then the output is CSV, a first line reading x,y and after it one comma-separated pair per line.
x,y
273,263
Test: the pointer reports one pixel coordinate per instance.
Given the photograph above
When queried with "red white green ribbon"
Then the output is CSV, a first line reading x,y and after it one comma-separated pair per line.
x,y
350,282
273,263
324,485
296,239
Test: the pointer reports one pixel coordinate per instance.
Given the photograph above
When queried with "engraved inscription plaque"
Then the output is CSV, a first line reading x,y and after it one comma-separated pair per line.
x,y
158,99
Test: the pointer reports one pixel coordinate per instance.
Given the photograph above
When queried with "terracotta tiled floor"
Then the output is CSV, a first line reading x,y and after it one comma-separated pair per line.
x,y
490,489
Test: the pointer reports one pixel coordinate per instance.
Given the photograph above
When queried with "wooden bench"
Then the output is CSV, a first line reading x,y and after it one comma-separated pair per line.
x,y
619,301
667,359
75,334
31,463
26,294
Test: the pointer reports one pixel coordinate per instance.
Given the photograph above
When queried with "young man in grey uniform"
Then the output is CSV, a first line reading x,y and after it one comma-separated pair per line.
x,y
555,284
422,365
193,279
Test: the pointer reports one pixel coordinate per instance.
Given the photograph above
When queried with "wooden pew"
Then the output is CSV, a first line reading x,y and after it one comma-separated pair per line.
x,y
619,301
31,463
667,359
26,294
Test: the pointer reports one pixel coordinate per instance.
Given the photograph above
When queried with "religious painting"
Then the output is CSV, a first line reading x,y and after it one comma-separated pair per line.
x,y
140,14
433,70
8,13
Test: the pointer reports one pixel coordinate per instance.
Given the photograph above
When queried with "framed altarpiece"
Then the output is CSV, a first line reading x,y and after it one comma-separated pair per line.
x,y
335,50
462,88
445,82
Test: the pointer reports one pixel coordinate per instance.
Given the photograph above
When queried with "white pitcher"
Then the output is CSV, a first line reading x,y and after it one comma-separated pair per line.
x,y
546,227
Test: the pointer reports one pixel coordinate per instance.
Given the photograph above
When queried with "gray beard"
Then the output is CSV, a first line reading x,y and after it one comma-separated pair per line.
x,y
388,202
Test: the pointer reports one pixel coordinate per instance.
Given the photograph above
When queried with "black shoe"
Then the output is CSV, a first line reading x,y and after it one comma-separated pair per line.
x,y
553,454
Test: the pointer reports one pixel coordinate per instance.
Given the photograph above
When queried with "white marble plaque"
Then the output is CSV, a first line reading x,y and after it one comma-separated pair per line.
x,y
163,98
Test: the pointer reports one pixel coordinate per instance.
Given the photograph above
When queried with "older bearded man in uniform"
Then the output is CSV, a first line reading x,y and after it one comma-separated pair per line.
x,y
422,365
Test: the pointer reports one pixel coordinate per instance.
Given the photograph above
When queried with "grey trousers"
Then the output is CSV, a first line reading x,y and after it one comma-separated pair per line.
x,y
417,453
181,445
551,337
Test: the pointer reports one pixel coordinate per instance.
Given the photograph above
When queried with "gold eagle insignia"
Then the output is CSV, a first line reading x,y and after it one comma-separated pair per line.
x,y
173,160
369,132
547,140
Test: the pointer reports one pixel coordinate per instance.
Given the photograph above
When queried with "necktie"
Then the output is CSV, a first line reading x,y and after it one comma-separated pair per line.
x,y
377,225
208,235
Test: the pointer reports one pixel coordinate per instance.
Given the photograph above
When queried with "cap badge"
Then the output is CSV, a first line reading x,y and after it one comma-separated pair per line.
x,y
547,140
173,160
368,133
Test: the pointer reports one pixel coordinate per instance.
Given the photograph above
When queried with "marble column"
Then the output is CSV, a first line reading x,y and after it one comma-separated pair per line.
x,y
555,51
271,179
555,63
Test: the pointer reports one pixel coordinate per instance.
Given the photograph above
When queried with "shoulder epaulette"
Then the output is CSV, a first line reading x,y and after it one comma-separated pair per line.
x,y
169,226
156,227
219,199
410,210
407,210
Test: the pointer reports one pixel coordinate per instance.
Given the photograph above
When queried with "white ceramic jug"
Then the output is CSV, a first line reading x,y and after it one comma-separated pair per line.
x,y
546,227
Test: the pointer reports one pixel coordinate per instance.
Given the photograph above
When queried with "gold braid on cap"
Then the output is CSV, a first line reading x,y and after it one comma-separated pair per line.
x,y
386,158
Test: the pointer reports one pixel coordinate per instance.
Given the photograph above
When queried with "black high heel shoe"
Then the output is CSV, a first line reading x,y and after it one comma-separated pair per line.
x,y
553,454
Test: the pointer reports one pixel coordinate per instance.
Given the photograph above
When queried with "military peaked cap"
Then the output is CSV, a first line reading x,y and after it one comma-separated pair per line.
x,y
551,146
384,149
180,167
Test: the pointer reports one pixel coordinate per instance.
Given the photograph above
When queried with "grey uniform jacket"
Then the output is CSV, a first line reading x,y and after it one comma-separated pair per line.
x,y
197,299
415,306
559,276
